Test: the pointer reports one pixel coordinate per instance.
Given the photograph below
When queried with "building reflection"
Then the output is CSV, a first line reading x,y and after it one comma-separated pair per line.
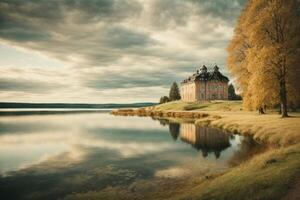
x,y
210,140
205,139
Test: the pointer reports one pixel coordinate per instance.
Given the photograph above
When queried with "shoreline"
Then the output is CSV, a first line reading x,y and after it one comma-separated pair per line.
x,y
244,123
144,112
257,178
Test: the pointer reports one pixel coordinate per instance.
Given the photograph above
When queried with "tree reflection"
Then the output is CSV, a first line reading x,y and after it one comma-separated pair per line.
x,y
205,139
163,122
174,129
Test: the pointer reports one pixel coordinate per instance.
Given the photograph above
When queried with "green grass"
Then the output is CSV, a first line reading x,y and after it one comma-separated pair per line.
x,y
200,106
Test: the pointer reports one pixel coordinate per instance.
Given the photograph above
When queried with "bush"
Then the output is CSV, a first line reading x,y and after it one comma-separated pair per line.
x,y
164,99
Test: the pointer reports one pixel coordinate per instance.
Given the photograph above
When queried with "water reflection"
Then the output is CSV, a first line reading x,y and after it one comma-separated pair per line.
x,y
205,139
247,149
210,140
174,129
22,112
53,156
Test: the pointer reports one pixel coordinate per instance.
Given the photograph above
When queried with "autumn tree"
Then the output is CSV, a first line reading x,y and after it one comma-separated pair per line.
x,y
174,92
264,53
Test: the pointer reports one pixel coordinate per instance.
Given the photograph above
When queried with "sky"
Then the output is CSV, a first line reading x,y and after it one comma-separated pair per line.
x,y
100,51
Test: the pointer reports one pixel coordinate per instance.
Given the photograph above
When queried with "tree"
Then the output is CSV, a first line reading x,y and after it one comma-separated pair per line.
x,y
164,99
174,92
231,93
264,53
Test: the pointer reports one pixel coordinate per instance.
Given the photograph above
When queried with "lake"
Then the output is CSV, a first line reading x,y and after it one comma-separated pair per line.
x,y
78,155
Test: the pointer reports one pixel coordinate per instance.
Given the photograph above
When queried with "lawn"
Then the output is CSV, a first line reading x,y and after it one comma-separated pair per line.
x,y
201,106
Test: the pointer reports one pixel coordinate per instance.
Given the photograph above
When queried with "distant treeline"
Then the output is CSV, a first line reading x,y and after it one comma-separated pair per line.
x,y
72,105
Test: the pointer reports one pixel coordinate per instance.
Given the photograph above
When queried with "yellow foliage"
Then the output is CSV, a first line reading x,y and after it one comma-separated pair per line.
x,y
264,53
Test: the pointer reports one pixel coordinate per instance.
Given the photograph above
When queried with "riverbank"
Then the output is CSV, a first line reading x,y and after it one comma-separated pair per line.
x,y
270,175
269,128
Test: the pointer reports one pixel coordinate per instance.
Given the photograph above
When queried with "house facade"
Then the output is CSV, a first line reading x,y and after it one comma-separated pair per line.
x,y
205,86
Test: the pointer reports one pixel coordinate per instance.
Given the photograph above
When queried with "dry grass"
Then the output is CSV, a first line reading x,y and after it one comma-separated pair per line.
x,y
203,106
266,176
269,128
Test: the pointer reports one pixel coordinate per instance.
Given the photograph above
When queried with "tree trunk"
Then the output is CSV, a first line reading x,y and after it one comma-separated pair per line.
x,y
261,111
283,99
279,112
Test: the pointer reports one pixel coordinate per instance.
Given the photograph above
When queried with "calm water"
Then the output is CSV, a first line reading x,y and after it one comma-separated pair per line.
x,y
55,156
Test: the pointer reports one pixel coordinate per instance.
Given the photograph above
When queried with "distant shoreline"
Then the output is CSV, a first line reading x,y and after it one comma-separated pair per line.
x,y
28,111
12,105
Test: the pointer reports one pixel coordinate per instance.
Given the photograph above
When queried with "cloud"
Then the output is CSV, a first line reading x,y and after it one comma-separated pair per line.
x,y
167,13
119,38
116,44
227,10
129,79
26,85
33,80
22,35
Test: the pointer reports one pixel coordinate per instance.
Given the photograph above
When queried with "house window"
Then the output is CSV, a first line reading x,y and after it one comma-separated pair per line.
x,y
202,96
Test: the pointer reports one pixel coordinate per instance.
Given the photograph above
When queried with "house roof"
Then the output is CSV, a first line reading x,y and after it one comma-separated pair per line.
x,y
204,75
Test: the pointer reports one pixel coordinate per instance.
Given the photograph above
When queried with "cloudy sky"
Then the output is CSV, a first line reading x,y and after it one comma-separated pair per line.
x,y
98,51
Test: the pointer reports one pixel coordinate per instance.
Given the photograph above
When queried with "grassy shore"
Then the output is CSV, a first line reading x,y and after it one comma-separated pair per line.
x,y
200,106
270,175
269,128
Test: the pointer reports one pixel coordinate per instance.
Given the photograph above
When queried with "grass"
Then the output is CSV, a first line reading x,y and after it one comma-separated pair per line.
x,y
200,106
266,176
268,128
269,175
